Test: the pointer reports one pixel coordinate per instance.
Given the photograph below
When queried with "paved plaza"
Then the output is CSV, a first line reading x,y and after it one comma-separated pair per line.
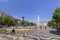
x,y
38,34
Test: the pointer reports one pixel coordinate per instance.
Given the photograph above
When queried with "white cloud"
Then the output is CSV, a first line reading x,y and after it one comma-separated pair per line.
x,y
3,0
16,16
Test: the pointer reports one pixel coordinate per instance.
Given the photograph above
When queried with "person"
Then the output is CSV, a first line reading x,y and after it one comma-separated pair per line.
x,y
45,27
13,31
40,27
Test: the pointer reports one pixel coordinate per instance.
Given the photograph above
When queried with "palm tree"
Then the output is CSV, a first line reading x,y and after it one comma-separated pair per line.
x,y
23,18
23,21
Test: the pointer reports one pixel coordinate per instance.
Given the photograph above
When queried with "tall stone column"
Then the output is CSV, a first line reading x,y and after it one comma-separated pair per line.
x,y
38,22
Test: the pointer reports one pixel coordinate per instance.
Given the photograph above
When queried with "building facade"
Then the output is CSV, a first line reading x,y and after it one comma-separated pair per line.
x,y
42,23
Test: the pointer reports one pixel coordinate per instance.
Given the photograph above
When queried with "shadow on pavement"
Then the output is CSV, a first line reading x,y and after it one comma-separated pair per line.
x,y
55,32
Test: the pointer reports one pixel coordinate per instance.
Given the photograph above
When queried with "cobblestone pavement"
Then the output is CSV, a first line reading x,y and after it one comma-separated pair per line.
x,y
40,34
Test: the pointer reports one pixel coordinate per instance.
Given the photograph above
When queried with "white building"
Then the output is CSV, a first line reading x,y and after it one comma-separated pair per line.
x,y
42,23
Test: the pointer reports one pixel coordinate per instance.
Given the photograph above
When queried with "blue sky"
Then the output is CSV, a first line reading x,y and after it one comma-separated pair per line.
x,y
30,8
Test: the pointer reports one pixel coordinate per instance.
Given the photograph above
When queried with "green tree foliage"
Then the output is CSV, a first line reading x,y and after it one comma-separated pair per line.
x,y
7,21
25,23
56,15
23,18
32,24
0,20
55,18
15,22
49,23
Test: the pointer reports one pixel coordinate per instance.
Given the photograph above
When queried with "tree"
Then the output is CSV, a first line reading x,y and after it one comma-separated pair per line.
x,y
25,23
22,23
0,20
23,18
54,22
56,15
49,23
15,22
56,18
32,24
6,21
